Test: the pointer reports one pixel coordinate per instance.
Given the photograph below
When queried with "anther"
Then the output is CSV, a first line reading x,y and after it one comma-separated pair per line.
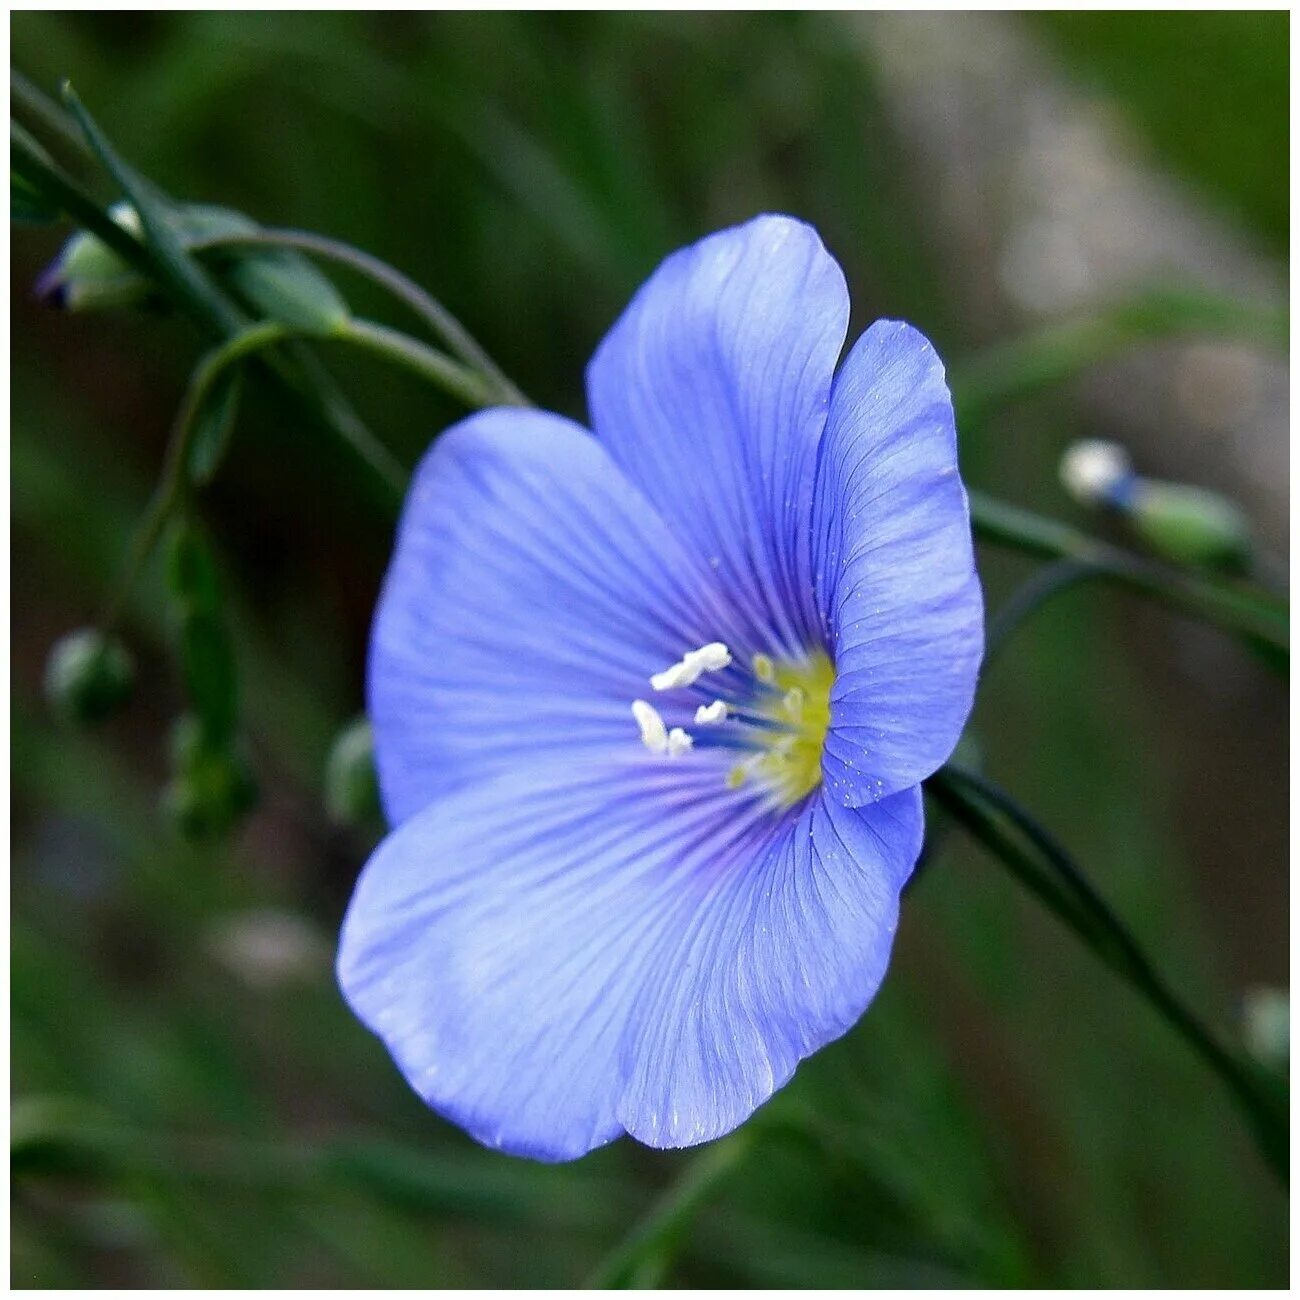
x,y
692,666
654,735
709,715
678,742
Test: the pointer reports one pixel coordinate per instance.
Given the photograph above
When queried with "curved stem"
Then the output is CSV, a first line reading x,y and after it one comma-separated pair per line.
x,y
641,1261
457,338
1028,598
396,347
420,359
1252,614
171,485
1053,875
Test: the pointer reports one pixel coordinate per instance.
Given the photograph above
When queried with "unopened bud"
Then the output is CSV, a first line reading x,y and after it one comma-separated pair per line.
x,y
1183,524
286,287
351,784
87,275
88,676
1189,525
213,787
1096,472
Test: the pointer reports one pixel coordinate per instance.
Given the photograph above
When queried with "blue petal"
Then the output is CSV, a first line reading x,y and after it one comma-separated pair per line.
x,y
895,569
711,392
532,593
563,953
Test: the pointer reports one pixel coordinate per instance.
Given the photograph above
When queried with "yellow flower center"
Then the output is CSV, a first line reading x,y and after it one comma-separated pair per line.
x,y
788,757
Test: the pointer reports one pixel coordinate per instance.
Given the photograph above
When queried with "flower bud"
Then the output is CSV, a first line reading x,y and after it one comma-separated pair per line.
x,y
1096,472
89,276
88,675
1180,523
351,785
1189,525
277,284
286,287
213,787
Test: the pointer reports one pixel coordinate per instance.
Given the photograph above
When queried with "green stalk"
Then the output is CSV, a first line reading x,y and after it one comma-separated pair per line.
x,y
456,337
1039,862
1252,614
642,1260
395,347
177,270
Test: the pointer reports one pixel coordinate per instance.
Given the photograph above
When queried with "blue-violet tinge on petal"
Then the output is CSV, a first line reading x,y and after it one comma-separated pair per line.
x,y
652,707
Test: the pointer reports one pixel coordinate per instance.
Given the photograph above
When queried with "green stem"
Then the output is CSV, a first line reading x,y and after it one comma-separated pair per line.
x,y
1028,598
177,270
420,359
41,108
457,338
1253,614
171,485
644,1258
991,816
314,389
31,162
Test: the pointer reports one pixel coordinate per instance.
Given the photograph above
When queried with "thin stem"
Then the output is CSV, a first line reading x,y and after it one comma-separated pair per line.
x,y
171,484
1253,614
316,391
176,269
457,338
41,108
32,163
1053,875
424,361
1028,598
420,359
642,1260
321,389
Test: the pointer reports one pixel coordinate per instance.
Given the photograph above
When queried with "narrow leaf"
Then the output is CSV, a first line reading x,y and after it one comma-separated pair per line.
x,y
214,427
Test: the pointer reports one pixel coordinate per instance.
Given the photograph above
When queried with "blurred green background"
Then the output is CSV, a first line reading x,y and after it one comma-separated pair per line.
x,y
194,1106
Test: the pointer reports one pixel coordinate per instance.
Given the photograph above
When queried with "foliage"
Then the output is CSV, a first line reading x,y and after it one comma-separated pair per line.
x,y
196,1106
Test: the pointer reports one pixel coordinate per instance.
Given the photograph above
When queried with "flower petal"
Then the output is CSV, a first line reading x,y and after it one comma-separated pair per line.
x,y
711,392
555,956
895,569
532,593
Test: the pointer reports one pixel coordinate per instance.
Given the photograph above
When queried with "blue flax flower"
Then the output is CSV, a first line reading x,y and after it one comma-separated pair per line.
x,y
651,710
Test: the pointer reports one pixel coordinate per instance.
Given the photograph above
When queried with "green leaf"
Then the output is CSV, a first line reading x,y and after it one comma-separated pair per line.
x,y
208,661
179,271
214,426
191,570
286,287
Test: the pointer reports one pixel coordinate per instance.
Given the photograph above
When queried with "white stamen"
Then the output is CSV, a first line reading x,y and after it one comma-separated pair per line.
x,y
654,735
709,715
678,742
692,666
793,703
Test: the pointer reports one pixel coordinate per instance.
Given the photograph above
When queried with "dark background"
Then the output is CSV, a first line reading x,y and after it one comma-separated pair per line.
x,y
1006,1113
